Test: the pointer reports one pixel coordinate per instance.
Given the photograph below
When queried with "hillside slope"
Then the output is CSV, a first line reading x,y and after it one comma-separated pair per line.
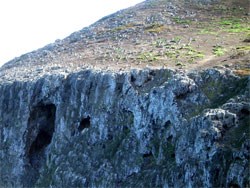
x,y
156,33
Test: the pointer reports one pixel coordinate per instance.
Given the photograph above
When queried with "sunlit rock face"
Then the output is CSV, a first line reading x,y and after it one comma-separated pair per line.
x,y
156,95
143,128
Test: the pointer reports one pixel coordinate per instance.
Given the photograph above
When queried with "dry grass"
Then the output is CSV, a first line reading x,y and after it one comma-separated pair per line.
x,y
242,72
187,36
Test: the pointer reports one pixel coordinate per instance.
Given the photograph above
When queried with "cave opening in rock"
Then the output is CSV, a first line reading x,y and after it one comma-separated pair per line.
x,y
145,155
233,185
39,134
167,124
41,129
85,123
42,140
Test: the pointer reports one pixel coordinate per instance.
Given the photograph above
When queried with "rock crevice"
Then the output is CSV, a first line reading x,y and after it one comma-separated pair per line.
x,y
124,129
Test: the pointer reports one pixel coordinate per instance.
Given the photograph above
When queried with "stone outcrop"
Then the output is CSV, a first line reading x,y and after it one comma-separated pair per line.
x,y
147,97
134,129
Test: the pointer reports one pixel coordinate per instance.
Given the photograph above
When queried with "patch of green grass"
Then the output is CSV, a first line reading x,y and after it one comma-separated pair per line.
x,y
234,25
193,53
147,56
238,29
172,53
160,43
173,50
196,54
178,63
120,53
243,48
228,22
184,53
229,25
218,50
176,39
208,31
181,20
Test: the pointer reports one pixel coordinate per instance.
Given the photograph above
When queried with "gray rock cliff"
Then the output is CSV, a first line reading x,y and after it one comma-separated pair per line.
x,y
67,121
143,128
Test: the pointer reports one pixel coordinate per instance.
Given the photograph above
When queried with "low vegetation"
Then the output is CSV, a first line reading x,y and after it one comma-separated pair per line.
x,y
155,28
218,50
178,36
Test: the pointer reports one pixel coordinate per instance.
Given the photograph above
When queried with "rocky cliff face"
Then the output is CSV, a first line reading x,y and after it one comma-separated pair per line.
x,y
64,125
143,128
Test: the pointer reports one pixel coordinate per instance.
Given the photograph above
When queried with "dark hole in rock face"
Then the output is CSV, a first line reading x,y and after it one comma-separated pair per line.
x,y
41,125
244,115
145,155
245,111
152,73
170,138
132,78
85,123
119,87
42,120
42,140
110,137
233,185
167,124
173,155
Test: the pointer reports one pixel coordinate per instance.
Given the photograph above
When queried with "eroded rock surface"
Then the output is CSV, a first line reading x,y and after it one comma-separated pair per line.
x,y
156,95
134,129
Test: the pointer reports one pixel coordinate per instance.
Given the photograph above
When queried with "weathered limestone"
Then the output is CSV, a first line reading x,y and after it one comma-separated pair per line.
x,y
130,129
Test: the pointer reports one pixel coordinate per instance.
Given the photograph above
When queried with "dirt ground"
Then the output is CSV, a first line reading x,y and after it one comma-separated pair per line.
x,y
158,34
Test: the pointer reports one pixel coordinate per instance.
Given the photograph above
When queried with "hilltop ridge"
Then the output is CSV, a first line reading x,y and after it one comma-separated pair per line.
x,y
185,35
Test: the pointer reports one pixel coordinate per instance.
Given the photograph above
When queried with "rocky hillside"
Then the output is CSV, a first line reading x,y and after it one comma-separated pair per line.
x,y
156,95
